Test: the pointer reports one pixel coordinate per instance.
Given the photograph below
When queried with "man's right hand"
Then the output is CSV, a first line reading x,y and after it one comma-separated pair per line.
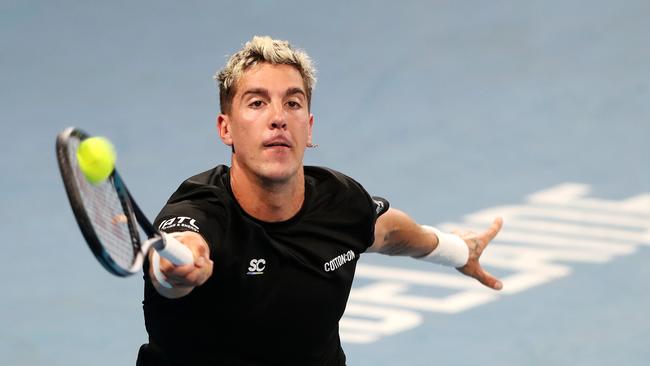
x,y
185,278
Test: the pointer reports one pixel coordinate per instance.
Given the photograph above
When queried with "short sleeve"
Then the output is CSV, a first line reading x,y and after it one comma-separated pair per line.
x,y
200,211
381,205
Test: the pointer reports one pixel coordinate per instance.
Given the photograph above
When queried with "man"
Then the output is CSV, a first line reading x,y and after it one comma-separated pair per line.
x,y
275,243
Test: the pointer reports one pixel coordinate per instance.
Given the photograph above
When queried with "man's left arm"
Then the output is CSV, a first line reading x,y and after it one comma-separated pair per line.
x,y
398,234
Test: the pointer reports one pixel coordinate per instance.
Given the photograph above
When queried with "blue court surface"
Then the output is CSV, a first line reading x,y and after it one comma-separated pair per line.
x,y
455,111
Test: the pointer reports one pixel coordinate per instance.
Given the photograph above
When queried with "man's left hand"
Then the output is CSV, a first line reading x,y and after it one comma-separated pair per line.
x,y
477,244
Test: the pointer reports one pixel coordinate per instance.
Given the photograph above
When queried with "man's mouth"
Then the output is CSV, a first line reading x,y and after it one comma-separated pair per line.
x,y
277,142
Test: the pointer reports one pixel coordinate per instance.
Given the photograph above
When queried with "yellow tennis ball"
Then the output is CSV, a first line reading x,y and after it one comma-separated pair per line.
x,y
96,157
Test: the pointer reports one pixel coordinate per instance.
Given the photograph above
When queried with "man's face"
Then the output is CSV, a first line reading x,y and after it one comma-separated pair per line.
x,y
269,123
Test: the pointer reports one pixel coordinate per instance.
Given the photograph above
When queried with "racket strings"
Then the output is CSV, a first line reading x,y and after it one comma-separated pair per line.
x,y
107,214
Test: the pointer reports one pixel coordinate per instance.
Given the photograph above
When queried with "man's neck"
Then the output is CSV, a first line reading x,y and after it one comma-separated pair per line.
x,y
267,201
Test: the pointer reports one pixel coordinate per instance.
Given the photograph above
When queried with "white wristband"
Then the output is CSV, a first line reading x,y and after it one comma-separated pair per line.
x,y
451,251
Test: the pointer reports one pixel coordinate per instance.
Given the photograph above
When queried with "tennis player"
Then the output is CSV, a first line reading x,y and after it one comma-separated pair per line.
x,y
276,243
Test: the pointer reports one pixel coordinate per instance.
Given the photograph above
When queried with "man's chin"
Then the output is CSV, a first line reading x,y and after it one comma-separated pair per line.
x,y
278,174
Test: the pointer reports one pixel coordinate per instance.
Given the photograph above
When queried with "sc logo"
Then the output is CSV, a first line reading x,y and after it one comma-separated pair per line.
x,y
256,266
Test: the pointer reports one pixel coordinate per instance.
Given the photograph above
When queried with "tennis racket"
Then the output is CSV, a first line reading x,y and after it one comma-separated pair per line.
x,y
109,219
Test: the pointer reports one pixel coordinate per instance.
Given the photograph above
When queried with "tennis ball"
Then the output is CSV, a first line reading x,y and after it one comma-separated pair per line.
x,y
96,158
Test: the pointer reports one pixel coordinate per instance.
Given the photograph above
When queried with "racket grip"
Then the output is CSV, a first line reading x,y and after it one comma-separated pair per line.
x,y
174,251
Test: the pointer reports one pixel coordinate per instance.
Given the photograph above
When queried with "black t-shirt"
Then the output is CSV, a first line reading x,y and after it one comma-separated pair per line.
x,y
277,291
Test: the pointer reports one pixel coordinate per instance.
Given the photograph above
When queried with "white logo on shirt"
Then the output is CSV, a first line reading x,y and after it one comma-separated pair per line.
x,y
180,221
380,206
256,266
338,261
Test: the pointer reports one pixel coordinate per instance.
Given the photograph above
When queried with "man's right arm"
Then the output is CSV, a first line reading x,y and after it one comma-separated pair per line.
x,y
184,278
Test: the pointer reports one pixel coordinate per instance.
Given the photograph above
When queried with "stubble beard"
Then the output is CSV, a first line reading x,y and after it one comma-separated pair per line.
x,y
272,175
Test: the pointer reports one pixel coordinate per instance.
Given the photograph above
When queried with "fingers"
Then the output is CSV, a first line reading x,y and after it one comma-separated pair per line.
x,y
488,280
492,232
187,276
190,275
474,270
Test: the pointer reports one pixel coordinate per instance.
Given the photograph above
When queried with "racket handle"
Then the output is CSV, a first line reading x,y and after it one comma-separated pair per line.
x,y
174,251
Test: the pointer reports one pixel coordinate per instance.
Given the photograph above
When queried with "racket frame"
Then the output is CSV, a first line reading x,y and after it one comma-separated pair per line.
x,y
156,240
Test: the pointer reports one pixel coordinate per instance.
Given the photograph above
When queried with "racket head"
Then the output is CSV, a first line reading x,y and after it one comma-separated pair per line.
x,y
103,211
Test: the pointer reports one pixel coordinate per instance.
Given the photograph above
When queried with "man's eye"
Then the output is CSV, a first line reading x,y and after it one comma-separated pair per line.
x,y
256,104
293,104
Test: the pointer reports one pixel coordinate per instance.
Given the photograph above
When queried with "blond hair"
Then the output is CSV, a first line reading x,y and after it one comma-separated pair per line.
x,y
263,49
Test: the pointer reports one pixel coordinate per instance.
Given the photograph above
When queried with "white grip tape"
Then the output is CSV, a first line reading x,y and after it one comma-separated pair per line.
x,y
452,251
175,252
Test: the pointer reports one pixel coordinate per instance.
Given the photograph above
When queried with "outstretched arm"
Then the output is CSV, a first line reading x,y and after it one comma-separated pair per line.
x,y
398,234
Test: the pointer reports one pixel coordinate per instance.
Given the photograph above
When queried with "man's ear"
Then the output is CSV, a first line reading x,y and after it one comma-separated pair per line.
x,y
223,125
311,124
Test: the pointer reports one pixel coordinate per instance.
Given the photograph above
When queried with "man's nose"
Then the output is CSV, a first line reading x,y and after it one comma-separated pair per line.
x,y
278,120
